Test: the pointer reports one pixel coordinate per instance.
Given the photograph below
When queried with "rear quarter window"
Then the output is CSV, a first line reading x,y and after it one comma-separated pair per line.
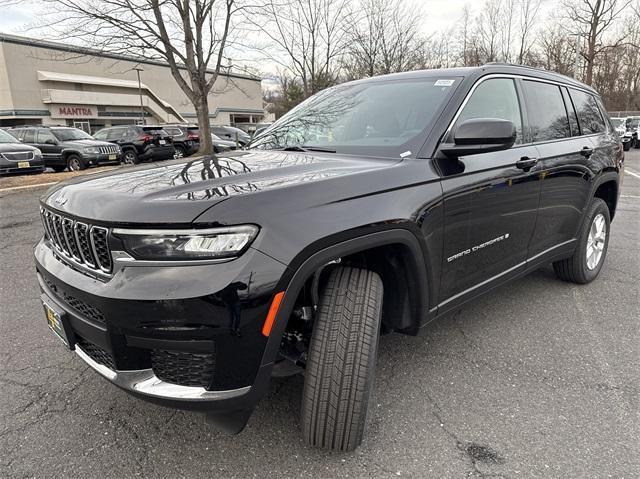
x,y
589,115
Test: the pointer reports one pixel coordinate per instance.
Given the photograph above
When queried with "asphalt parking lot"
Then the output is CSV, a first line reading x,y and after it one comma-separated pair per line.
x,y
537,379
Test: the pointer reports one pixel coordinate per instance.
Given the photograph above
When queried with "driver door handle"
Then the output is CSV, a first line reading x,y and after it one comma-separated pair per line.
x,y
586,152
526,163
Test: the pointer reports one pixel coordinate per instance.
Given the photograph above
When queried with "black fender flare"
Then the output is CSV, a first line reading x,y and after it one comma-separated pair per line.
x,y
606,176
295,278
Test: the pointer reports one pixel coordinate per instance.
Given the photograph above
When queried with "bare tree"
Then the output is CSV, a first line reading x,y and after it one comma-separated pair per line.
x,y
308,37
593,18
383,37
189,35
528,18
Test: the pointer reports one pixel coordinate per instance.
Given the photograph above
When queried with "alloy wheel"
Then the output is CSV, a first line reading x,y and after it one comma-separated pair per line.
x,y
596,241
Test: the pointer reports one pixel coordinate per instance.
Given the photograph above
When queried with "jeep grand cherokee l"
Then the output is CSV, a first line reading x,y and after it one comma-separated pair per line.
x,y
67,148
374,206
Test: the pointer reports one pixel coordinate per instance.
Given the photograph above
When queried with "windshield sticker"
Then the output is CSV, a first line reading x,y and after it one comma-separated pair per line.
x,y
444,83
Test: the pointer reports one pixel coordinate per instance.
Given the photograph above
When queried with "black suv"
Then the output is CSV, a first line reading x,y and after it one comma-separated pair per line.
x,y
18,158
139,143
375,206
186,139
64,147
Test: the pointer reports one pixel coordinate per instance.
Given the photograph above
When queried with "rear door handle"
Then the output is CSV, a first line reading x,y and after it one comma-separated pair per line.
x,y
586,151
526,163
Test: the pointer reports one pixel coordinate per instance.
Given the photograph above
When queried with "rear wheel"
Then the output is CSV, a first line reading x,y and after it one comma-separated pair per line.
x,y
627,146
130,157
341,364
593,240
179,153
75,163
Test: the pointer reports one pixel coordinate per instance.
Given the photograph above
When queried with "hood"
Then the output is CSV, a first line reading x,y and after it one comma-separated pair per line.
x,y
178,191
82,143
15,147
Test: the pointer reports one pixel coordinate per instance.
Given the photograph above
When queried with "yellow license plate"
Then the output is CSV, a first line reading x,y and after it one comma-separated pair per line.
x,y
55,323
112,157
24,164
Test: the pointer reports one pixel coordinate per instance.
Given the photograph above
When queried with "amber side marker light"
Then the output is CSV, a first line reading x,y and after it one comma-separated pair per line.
x,y
271,316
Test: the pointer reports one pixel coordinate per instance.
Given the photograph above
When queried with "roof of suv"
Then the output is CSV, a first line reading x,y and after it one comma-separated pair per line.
x,y
489,68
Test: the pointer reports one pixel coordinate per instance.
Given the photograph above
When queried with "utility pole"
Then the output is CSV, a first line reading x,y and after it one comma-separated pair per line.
x,y
138,70
577,61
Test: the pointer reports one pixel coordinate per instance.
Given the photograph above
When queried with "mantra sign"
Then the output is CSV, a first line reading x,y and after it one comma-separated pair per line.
x,y
74,111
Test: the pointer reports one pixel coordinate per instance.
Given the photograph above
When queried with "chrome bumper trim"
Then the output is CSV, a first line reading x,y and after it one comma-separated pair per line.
x,y
144,381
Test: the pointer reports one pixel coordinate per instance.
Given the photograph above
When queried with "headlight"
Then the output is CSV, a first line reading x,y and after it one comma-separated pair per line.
x,y
184,245
37,152
91,149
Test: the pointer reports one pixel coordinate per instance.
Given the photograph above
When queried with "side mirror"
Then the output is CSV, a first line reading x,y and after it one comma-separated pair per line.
x,y
480,135
50,142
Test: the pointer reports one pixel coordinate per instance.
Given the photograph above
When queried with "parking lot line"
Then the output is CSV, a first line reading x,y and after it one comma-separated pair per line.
x,y
13,188
632,173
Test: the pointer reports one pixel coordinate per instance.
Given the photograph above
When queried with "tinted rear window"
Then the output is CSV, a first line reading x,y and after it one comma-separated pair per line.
x,y
589,115
547,114
154,130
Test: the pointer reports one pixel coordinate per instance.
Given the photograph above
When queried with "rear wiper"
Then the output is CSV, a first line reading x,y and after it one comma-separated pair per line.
x,y
308,148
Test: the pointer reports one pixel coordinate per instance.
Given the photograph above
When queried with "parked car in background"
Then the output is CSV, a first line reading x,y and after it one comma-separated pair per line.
x,y
633,127
67,148
16,157
231,133
220,145
620,124
186,139
139,143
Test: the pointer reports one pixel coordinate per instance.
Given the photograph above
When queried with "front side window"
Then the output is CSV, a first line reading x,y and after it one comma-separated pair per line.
x,y
493,98
589,115
378,118
44,135
101,135
547,114
116,133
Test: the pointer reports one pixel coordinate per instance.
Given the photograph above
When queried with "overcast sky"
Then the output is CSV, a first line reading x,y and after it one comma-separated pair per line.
x,y
437,14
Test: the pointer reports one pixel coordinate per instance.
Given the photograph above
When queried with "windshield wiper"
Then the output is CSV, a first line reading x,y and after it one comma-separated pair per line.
x,y
308,148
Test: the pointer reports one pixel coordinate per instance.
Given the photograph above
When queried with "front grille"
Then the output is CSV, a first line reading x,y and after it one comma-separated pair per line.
x,y
96,353
85,310
19,155
183,368
108,150
85,244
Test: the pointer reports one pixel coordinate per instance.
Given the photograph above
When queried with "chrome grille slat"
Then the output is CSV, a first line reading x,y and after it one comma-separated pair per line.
x,y
108,149
87,245
84,245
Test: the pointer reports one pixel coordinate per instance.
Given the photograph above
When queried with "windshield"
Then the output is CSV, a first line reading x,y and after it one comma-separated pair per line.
x,y
381,118
618,122
634,123
7,137
70,134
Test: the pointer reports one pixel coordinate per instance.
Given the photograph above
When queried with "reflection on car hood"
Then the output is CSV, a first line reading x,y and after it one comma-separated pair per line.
x,y
178,191
11,147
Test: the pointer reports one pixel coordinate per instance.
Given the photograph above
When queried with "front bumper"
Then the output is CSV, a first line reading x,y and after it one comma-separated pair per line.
x,y
96,159
144,328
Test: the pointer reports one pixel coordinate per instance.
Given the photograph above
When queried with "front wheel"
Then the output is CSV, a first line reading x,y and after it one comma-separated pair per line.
x,y
179,153
75,163
129,157
593,241
341,363
627,146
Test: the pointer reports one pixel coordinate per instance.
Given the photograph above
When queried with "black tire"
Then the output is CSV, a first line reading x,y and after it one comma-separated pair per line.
x,y
130,157
59,168
179,152
76,163
576,269
627,146
341,364
636,142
